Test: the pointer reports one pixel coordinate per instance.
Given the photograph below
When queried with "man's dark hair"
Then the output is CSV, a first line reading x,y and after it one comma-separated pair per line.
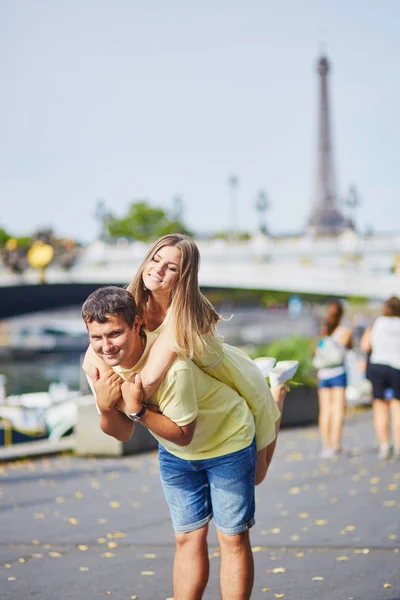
x,y
107,301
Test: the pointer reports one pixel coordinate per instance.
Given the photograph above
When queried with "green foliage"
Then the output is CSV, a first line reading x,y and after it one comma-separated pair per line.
x,y
294,347
4,237
237,236
143,222
357,300
24,241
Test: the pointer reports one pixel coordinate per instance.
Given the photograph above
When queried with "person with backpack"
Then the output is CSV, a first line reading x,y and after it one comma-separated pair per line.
x,y
329,360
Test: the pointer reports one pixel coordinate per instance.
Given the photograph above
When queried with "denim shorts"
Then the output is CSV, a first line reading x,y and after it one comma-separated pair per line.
x,y
338,381
198,490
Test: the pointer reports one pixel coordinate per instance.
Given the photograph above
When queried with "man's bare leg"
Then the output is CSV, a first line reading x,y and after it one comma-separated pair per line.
x,y
191,564
237,566
265,455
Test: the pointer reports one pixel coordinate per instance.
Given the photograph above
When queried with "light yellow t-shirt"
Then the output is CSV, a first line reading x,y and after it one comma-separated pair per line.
x,y
235,368
232,366
224,421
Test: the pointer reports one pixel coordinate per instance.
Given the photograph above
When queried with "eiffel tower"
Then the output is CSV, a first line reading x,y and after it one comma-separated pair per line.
x,y
325,218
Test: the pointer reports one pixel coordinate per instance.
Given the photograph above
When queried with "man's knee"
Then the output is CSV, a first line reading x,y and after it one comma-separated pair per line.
x,y
191,539
234,543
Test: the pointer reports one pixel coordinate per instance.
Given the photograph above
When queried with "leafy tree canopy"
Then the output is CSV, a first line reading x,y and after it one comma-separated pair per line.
x,y
144,223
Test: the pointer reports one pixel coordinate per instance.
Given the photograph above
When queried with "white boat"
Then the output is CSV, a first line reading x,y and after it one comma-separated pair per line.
x,y
37,415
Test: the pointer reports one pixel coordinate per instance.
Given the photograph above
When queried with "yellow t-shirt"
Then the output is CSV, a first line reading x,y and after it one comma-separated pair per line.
x,y
233,367
224,422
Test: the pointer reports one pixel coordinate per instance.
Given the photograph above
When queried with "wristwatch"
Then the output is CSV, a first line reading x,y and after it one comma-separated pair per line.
x,y
137,416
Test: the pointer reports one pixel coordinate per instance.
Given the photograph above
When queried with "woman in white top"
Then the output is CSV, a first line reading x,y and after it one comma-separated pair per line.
x,y
383,342
332,383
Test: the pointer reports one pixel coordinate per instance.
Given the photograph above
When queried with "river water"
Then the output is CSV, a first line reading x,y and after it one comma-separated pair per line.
x,y
27,370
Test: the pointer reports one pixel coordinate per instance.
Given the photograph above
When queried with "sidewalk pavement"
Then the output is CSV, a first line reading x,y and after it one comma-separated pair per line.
x,y
86,529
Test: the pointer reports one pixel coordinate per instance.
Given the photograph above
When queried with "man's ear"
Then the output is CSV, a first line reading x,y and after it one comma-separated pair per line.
x,y
137,324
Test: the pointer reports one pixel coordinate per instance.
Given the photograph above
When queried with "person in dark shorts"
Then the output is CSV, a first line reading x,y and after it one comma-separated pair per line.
x,y
382,340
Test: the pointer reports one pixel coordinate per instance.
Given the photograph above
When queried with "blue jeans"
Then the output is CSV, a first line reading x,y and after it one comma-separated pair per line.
x,y
198,490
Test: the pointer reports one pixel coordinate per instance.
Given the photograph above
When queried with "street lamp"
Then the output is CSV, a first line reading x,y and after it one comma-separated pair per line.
x,y
353,202
262,205
177,208
233,183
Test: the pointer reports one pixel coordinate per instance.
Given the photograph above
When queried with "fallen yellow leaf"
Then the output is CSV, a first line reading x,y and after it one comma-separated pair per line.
x,y
387,585
279,570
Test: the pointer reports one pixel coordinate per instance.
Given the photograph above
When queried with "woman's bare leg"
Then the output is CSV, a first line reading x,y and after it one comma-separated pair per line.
x,y
337,416
381,420
324,417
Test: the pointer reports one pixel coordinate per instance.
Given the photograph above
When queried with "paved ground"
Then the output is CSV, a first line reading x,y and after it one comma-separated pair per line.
x,y
74,528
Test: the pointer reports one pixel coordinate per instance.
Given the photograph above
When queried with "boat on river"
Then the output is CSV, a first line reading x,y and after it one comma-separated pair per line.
x,y
38,415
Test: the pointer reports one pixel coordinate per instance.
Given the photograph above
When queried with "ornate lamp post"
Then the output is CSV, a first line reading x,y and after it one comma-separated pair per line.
x,y
262,205
177,208
233,183
353,202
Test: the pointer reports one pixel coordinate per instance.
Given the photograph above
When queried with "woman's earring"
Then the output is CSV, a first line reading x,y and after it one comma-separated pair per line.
x,y
144,287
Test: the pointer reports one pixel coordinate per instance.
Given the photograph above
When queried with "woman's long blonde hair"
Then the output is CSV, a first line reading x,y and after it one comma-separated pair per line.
x,y
190,314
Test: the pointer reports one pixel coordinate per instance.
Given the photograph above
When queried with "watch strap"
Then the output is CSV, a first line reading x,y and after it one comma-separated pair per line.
x,y
139,415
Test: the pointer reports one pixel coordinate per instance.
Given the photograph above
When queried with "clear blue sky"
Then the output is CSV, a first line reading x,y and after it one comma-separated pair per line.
x,y
124,100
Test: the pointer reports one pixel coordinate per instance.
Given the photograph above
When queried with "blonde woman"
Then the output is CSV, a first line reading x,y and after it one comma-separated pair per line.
x,y
170,304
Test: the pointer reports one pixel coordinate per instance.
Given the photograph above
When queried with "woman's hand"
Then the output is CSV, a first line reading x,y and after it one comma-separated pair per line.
x,y
132,395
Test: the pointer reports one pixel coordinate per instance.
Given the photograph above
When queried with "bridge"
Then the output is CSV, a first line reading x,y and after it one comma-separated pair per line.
x,y
345,266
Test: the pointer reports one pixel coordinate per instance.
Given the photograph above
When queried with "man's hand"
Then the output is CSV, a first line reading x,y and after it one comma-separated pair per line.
x,y
132,394
108,389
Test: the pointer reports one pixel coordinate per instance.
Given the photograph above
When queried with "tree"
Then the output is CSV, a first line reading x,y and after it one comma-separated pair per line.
x,y
144,223
4,236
